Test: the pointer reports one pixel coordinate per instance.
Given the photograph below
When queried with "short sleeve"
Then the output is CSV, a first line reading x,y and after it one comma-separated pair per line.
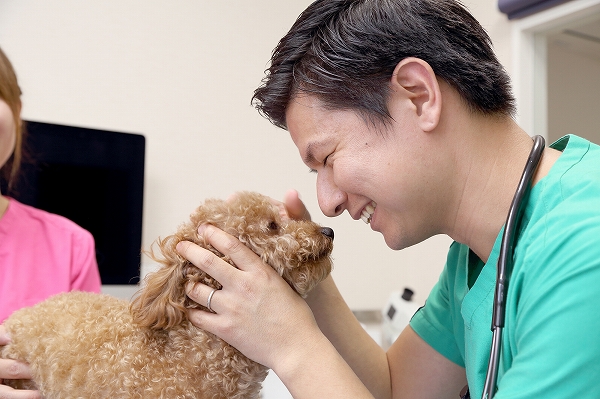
x,y
436,322
84,270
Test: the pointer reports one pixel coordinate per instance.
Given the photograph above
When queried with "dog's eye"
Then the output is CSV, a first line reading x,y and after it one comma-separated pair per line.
x,y
273,226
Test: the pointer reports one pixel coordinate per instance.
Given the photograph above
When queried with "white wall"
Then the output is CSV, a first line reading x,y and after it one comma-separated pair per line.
x,y
182,73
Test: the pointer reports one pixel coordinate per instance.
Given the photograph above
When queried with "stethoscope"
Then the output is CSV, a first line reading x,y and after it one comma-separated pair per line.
x,y
504,266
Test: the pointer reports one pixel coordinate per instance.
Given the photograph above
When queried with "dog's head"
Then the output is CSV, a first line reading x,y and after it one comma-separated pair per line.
x,y
298,250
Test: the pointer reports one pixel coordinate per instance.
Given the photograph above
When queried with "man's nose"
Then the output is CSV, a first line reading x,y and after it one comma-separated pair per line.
x,y
331,199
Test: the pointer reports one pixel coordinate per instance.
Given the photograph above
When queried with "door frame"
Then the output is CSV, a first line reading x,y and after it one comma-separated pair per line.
x,y
530,59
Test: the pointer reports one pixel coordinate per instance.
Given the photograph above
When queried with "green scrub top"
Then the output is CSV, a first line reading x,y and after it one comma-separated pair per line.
x,y
551,338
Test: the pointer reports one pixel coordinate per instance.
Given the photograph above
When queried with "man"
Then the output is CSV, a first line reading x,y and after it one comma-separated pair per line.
x,y
404,112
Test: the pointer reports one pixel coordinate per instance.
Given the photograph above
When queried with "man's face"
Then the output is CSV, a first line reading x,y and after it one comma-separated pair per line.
x,y
377,173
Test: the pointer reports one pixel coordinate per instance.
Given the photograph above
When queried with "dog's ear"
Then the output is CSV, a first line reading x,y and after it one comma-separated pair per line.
x,y
161,301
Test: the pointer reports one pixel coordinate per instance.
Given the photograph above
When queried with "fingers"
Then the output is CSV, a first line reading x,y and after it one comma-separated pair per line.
x,y
197,318
200,293
14,370
292,206
202,318
10,393
228,276
203,295
242,256
4,337
205,260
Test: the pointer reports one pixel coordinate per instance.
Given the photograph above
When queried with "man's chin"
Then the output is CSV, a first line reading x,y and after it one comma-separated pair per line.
x,y
392,242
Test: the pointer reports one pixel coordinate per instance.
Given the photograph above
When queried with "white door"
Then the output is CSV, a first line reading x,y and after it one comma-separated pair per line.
x,y
556,71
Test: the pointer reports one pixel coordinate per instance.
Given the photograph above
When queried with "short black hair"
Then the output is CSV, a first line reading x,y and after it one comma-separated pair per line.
x,y
345,51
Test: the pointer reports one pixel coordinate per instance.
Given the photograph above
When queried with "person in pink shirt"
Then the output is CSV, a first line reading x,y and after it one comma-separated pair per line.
x,y
41,254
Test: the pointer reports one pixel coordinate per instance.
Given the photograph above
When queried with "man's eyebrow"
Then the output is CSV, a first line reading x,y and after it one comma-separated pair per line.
x,y
309,157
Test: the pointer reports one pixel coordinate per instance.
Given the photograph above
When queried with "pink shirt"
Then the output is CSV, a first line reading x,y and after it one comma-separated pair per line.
x,y
42,254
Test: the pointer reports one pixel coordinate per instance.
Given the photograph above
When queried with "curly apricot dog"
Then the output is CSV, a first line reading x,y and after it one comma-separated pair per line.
x,y
82,345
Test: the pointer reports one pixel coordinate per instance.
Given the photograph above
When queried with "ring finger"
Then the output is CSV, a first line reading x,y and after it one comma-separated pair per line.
x,y
203,295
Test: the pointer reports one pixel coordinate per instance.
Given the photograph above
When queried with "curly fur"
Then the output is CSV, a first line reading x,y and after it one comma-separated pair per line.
x,y
83,345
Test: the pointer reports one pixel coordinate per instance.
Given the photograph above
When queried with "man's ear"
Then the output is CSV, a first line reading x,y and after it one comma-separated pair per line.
x,y
415,80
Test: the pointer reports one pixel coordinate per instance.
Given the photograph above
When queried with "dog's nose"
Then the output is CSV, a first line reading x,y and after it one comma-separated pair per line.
x,y
327,231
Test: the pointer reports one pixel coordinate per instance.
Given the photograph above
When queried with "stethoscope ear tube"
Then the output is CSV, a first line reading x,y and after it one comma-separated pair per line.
x,y
504,266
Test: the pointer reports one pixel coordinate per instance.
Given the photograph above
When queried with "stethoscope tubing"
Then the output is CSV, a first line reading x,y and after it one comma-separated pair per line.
x,y
504,265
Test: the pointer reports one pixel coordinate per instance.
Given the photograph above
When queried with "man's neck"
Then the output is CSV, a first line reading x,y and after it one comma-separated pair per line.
x,y
491,166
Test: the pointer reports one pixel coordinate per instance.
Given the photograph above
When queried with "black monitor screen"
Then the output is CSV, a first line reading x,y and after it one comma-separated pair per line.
x,y
96,179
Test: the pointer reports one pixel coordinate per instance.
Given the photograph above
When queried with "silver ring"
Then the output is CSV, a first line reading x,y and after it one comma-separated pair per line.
x,y
210,299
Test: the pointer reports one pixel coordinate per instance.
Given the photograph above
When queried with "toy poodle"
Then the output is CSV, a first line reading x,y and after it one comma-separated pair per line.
x,y
83,345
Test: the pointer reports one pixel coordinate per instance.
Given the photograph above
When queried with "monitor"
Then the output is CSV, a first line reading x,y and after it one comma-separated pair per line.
x,y
96,179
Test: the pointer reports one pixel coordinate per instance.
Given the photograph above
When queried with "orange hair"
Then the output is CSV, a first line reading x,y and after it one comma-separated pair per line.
x,y
11,94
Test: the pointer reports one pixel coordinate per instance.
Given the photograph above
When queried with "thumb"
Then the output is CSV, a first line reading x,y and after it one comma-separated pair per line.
x,y
294,206
4,337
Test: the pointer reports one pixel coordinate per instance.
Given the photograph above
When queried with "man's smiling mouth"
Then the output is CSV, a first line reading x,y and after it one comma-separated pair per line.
x,y
367,213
